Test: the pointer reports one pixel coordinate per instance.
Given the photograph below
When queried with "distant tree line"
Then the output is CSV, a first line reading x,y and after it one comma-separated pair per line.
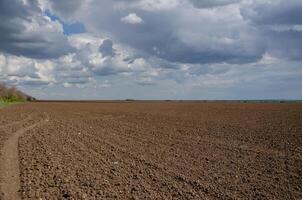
x,y
11,94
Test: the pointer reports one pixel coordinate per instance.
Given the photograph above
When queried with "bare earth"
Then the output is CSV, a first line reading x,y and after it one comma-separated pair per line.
x,y
151,150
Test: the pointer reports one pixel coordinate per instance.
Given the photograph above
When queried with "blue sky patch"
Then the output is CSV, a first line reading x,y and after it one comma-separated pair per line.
x,y
69,28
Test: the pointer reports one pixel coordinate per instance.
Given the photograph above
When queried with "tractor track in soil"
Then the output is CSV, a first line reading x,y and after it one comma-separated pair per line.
x,y
9,166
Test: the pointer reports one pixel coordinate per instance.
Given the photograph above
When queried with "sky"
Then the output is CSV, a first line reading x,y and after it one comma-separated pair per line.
x,y
152,49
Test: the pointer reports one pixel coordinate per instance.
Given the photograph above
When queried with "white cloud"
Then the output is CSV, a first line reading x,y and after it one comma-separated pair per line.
x,y
268,59
78,69
67,85
80,41
21,70
132,18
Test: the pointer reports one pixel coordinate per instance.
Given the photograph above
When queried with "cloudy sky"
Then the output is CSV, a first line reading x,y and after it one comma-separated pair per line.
x,y
152,49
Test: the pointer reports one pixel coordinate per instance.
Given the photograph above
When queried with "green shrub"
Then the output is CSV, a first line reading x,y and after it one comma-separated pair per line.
x,y
11,94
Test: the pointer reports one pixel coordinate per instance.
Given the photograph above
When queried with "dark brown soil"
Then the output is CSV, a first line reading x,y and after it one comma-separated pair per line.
x,y
157,150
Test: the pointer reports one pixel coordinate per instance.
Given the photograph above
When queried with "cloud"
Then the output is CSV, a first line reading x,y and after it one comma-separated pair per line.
x,y
273,12
212,3
65,9
94,57
203,48
146,81
26,31
132,18
25,71
148,5
279,24
106,48
180,33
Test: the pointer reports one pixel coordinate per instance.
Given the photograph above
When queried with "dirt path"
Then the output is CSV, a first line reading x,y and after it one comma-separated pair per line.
x,y
10,172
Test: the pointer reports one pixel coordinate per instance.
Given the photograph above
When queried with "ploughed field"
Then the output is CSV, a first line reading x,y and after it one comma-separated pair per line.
x,y
155,150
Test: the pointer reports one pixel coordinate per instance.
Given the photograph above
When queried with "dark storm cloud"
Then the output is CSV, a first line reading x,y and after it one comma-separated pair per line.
x,y
186,54
212,3
286,44
179,34
33,82
106,48
66,8
197,70
274,12
13,8
280,24
25,31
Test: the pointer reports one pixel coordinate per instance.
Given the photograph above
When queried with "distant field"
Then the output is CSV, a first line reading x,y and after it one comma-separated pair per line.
x,y
152,150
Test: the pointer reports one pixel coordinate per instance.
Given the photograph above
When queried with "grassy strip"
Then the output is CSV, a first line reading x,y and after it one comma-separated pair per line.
x,y
7,102
2,104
